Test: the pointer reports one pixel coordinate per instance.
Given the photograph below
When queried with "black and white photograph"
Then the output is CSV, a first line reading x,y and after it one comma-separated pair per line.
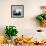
x,y
17,11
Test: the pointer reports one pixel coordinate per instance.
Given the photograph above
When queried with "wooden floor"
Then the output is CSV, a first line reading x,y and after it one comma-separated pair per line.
x,y
30,45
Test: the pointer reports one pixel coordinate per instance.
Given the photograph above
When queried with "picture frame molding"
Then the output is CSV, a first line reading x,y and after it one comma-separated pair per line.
x,y
20,16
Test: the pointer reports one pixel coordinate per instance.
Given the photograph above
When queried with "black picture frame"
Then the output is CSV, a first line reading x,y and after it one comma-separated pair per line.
x,y
17,11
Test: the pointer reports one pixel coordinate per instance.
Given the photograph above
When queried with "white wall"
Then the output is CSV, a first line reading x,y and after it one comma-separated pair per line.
x,y
26,25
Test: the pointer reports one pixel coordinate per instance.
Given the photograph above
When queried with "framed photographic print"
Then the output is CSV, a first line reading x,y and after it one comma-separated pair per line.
x,y
17,11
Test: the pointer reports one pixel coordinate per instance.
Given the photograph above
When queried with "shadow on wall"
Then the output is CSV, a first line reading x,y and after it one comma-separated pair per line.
x,y
34,21
2,30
